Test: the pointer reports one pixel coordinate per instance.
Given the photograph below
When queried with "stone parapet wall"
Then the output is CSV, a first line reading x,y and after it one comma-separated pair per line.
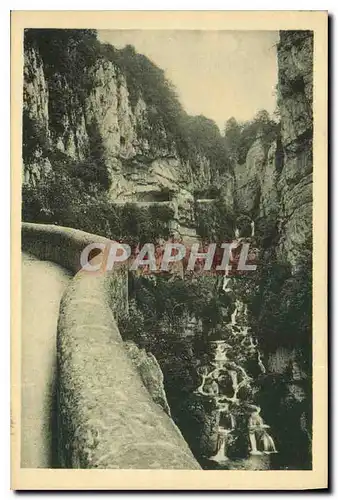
x,y
106,417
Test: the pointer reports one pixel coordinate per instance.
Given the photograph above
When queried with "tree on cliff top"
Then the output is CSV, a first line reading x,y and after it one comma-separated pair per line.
x,y
202,136
69,54
239,137
232,135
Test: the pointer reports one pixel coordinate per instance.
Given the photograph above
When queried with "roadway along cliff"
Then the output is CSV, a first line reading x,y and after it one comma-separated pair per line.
x,y
43,284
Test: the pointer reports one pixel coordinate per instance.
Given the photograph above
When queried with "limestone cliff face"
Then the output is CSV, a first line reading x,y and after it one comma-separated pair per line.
x,y
35,108
106,107
66,121
256,182
142,159
256,191
295,83
276,184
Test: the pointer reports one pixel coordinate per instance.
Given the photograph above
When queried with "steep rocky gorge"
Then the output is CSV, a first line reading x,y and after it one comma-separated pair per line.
x,y
83,111
143,159
274,187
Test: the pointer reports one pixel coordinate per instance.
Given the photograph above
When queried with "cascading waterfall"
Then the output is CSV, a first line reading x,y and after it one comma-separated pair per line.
x,y
258,435
223,378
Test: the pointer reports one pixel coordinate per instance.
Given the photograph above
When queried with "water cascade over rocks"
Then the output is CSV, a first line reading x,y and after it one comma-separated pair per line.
x,y
241,429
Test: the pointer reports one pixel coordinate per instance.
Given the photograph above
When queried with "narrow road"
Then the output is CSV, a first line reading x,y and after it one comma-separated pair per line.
x,y
42,286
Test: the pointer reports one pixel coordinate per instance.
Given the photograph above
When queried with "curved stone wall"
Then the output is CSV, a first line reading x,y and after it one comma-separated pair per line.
x,y
62,245
107,418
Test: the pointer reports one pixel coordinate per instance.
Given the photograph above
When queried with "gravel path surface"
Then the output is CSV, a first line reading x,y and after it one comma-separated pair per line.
x,y
42,286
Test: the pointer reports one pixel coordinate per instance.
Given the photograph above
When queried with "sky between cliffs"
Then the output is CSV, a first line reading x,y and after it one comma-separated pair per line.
x,y
218,74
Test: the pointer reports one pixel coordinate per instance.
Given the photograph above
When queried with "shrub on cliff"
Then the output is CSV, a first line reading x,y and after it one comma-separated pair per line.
x,y
282,307
215,222
66,199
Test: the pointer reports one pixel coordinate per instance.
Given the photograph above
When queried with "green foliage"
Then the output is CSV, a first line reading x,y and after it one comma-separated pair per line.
x,y
232,135
71,200
239,137
63,200
159,306
202,137
282,306
266,233
156,322
94,170
146,80
34,139
193,135
215,222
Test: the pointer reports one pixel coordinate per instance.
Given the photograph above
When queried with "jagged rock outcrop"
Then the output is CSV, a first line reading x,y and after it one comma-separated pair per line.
x,y
256,189
275,184
106,108
150,373
35,111
287,182
249,179
268,207
295,84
